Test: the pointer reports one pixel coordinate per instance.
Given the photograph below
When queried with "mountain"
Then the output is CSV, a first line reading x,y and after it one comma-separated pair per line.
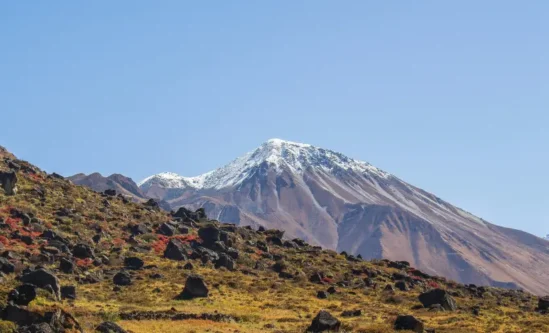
x,y
99,183
75,260
348,205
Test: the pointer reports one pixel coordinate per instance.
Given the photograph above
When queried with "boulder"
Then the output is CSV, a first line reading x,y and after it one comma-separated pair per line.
x,y
438,296
20,316
68,292
133,263
209,235
175,250
82,251
8,180
43,278
22,295
543,304
205,254
139,229
61,321
402,286
225,261
323,322
122,279
66,266
6,266
408,323
109,327
37,328
110,192
166,229
194,287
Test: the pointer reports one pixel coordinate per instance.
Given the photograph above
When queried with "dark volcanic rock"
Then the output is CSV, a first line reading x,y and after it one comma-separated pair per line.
x,y
20,316
82,251
43,278
66,266
175,250
194,287
438,296
209,235
322,294
8,180
166,229
22,295
6,266
408,323
402,286
109,327
225,261
543,304
139,229
122,279
133,263
68,292
37,328
323,322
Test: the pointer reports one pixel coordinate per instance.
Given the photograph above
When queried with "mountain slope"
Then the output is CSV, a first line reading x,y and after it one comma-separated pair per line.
x,y
73,258
348,205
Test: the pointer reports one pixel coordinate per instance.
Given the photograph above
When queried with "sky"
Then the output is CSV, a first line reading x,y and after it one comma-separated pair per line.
x,y
451,96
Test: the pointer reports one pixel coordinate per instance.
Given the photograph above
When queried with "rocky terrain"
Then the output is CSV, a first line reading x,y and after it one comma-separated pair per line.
x,y
340,203
75,260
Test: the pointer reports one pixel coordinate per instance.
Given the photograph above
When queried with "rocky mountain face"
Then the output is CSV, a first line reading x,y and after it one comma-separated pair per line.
x,y
117,182
340,203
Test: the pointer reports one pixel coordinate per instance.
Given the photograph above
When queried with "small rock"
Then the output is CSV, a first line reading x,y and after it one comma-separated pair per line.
x,y
194,287
352,313
323,322
209,235
175,250
166,229
68,292
122,279
438,296
322,294
408,323
82,251
402,286
66,266
109,327
133,263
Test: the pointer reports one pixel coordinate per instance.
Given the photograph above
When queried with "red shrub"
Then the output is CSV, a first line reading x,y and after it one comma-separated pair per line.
x,y
186,238
433,284
118,242
4,241
327,280
12,222
84,262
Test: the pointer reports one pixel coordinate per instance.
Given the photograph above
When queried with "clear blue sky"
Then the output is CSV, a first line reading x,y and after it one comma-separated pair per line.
x,y
452,96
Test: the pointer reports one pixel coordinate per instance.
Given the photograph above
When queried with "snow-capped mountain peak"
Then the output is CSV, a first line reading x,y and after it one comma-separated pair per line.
x,y
278,154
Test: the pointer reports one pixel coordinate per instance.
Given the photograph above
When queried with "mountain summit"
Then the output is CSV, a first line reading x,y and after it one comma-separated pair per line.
x,y
341,203
275,153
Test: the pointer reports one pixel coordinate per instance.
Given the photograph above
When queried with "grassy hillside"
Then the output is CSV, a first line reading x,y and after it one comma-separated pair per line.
x,y
262,283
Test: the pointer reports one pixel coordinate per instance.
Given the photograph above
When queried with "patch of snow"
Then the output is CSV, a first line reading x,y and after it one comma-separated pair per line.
x,y
277,154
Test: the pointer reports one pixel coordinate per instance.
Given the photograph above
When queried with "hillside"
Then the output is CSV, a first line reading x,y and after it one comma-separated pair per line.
x,y
77,260
344,204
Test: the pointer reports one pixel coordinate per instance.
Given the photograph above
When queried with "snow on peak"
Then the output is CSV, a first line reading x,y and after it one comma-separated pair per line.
x,y
278,154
